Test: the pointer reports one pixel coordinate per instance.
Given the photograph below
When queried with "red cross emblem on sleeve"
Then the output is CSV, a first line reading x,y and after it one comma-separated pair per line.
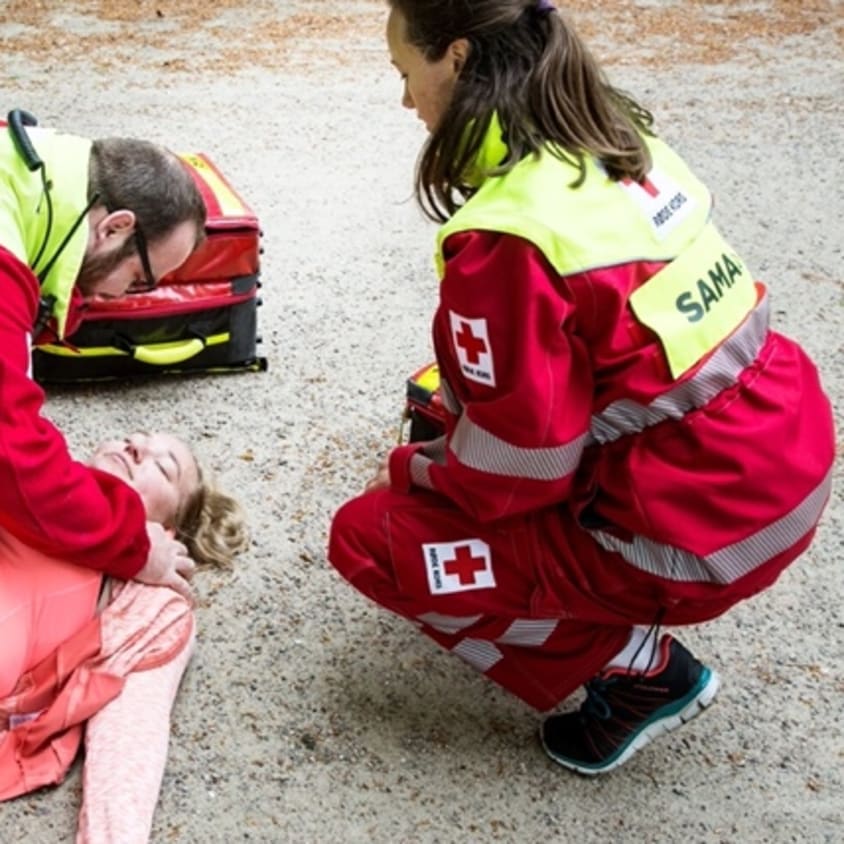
x,y
458,566
472,348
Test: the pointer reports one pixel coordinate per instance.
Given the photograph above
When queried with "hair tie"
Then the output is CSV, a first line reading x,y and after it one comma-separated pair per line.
x,y
545,7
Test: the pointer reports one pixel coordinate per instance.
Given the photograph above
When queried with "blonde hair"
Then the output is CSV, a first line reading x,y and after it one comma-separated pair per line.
x,y
212,525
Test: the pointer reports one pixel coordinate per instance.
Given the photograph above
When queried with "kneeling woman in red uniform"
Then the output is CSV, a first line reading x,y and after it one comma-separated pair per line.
x,y
628,444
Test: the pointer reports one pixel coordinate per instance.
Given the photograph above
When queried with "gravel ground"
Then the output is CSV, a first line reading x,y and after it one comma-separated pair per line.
x,y
307,714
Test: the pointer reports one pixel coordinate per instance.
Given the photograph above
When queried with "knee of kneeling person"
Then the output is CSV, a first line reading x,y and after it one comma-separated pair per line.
x,y
356,540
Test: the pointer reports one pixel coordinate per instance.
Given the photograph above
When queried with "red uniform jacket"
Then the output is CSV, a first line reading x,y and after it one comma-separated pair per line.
x,y
703,479
48,500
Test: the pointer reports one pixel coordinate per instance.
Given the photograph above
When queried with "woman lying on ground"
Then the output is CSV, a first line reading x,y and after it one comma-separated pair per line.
x,y
78,648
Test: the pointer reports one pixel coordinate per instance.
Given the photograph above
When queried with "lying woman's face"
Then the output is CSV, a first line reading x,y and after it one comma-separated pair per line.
x,y
160,467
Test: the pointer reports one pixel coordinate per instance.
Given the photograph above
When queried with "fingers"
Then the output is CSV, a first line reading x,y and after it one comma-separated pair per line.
x,y
180,549
381,480
180,585
183,563
185,566
183,571
169,564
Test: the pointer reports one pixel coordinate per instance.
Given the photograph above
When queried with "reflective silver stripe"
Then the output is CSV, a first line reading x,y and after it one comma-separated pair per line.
x,y
732,562
742,556
449,400
654,558
419,471
420,462
448,623
721,371
528,632
478,449
435,450
478,653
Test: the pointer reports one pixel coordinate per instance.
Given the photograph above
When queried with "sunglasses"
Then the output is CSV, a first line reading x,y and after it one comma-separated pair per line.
x,y
148,283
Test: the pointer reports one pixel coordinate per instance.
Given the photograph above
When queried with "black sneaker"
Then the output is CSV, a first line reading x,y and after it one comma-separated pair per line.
x,y
625,710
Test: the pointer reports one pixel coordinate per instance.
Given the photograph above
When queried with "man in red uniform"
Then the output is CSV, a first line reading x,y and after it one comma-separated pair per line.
x,y
77,218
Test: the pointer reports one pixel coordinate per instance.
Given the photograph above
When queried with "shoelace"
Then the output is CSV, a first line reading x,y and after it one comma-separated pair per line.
x,y
653,630
596,704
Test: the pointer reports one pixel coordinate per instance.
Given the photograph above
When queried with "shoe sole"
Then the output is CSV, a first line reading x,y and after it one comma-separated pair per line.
x,y
663,721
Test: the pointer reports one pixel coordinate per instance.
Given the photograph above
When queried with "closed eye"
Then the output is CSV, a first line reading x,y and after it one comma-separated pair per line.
x,y
170,467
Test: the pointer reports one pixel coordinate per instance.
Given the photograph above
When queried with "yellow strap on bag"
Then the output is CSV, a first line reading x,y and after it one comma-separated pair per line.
x,y
162,354
157,354
697,300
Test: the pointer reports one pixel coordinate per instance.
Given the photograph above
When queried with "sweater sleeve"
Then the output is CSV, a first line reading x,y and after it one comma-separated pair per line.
x,y
520,377
48,500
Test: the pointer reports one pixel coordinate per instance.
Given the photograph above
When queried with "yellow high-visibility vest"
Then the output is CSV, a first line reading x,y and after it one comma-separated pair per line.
x,y
24,210
692,304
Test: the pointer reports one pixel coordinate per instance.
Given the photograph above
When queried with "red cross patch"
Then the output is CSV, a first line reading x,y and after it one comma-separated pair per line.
x,y
471,344
458,566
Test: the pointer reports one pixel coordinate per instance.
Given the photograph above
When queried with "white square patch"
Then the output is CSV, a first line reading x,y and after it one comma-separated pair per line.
x,y
662,201
471,343
458,566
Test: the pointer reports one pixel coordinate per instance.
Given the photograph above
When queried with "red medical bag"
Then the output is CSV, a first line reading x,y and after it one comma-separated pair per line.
x,y
424,407
201,317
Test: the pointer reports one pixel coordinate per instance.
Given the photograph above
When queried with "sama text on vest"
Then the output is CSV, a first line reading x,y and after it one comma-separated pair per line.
x,y
696,303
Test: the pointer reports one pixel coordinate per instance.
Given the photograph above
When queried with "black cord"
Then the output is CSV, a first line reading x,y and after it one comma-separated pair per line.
x,y
18,121
49,199
77,222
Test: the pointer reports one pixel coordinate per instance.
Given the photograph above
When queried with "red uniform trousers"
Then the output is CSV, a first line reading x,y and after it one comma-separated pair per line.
x,y
561,606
